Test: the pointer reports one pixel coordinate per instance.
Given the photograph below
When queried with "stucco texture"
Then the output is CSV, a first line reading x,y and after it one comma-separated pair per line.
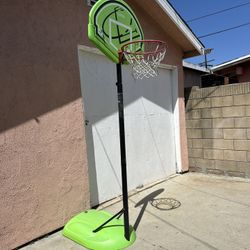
x,y
43,163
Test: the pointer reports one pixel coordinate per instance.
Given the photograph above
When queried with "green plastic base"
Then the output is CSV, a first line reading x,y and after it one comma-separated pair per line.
x,y
110,237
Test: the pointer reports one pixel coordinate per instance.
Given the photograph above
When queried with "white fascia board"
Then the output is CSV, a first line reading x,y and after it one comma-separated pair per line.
x,y
181,25
232,62
195,67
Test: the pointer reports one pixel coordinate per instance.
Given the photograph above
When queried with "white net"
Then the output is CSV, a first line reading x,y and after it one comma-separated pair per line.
x,y
146,61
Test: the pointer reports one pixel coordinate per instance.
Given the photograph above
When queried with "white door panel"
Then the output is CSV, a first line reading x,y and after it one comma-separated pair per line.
x,y
149,130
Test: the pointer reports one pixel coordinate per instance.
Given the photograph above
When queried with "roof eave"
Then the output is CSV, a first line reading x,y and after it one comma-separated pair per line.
x,y
231,63
182,26
195,67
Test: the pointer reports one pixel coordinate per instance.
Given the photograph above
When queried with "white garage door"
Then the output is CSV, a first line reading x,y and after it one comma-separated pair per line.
x,y
149,126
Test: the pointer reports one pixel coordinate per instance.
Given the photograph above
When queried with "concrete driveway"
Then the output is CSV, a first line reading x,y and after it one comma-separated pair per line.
x,y
191,211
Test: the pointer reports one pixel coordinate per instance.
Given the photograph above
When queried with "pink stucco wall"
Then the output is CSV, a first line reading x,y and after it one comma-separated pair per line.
x,y
43,173
43,166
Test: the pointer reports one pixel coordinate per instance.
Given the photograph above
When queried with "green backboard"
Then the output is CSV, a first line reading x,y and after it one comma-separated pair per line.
x,y
112,24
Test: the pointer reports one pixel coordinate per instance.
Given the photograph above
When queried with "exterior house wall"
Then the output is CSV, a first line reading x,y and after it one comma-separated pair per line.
x,y
43,166
218,129
43,174
245,77
242,70
192,77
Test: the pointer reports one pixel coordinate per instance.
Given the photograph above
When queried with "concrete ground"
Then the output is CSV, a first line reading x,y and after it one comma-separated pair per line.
x,y
204,212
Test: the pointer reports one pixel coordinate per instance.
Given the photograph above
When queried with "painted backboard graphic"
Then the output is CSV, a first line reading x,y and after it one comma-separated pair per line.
x,y
111,25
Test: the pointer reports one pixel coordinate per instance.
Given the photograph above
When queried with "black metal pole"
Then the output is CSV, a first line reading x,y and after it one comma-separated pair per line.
x,y
123,150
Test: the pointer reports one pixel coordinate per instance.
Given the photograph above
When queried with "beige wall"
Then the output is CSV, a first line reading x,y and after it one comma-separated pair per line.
x,y
218,125
43,167
43,162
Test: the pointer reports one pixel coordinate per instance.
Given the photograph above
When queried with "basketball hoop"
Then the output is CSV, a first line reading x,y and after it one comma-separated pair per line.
x,y
145,57
111,25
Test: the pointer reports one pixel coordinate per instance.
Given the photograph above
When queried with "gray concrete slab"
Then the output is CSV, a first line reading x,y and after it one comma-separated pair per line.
x,y
214,213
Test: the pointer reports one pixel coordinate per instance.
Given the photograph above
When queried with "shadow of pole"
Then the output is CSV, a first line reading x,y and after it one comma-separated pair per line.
x,y
144,202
